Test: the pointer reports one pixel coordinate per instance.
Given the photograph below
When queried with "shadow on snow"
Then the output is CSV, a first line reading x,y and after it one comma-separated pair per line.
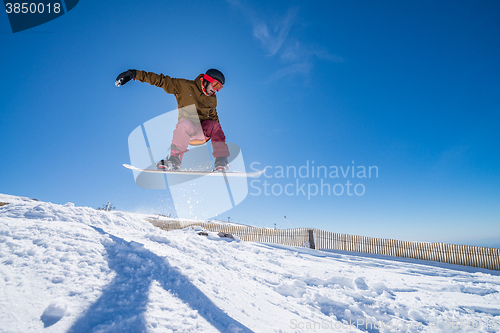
x,y
123,302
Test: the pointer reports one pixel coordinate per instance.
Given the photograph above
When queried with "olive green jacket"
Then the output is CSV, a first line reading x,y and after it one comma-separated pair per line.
x,y
188,94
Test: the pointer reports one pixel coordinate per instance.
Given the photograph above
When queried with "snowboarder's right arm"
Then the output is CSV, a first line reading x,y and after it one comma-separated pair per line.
x,y
162,81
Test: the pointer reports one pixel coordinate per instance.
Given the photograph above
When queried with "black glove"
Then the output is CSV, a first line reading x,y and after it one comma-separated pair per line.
x,y
125,77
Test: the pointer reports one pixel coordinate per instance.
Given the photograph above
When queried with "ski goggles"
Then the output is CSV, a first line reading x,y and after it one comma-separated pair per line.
x,y
215,84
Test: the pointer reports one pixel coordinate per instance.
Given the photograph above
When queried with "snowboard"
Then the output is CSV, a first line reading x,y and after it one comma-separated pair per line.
x,y
199,173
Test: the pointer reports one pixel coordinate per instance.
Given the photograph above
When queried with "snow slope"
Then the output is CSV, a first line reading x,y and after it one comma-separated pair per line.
x,y
74,269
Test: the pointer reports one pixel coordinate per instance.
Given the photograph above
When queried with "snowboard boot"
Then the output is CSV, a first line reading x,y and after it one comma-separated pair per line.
x,y
221,164
172,163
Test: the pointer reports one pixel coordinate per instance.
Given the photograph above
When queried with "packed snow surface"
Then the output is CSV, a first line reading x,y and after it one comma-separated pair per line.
x,y
75,269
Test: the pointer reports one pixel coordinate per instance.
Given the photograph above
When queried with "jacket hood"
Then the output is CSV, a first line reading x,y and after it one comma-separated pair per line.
x,y
198,82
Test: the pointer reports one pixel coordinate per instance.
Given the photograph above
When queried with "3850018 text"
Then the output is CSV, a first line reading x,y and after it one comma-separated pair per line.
x,y
32,8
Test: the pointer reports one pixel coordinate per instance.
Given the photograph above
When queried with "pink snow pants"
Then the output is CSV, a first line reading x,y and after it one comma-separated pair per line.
x,y
185,131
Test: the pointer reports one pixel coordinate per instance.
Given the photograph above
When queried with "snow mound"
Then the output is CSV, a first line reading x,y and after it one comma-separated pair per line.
x,y
75,269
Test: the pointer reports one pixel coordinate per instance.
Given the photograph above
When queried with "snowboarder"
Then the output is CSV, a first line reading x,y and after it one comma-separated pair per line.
x,y
197,121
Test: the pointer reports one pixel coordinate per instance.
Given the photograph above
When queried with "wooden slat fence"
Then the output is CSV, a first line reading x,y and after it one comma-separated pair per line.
x,y
475,256
293,237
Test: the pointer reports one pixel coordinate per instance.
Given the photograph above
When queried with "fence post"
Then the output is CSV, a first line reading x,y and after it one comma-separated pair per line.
x,y
311,239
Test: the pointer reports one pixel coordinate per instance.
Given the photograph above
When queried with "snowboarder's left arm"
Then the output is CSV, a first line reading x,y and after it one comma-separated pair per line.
x,y
213,115
212,112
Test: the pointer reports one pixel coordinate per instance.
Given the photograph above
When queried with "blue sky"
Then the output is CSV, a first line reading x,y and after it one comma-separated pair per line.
x,y
409,87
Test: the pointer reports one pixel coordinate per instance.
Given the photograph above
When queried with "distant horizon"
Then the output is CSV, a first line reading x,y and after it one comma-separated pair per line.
x,y
487,242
